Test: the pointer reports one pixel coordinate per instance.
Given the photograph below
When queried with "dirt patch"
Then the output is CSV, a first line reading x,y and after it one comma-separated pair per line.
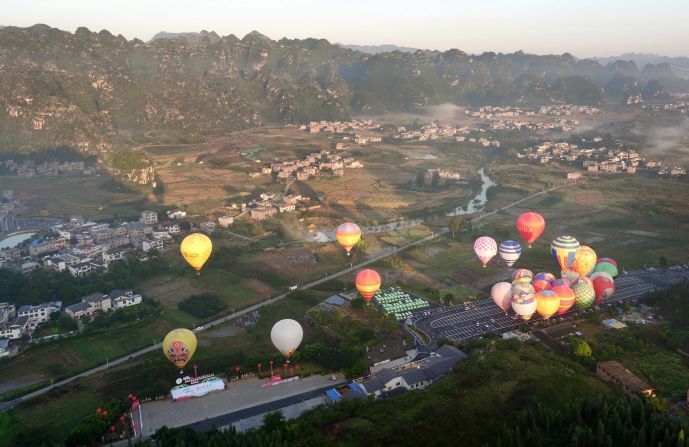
x,y
172,293
260,287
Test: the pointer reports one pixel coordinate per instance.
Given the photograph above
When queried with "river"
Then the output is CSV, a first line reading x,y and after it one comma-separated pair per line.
x,y
14,240
474,206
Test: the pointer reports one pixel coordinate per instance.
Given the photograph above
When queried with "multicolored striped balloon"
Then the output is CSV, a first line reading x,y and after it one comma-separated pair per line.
x,y
485,248
564,250
509,252
543,281
566,296
585,261
547,303
522,276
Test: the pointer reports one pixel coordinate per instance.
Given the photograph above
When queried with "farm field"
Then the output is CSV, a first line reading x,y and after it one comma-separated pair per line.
x,y
202,177
92,197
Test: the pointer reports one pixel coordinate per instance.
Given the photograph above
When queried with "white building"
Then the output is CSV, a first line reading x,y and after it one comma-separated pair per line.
x,y
15,329
152,244
39,313
149,217
98,301
124,298
225,221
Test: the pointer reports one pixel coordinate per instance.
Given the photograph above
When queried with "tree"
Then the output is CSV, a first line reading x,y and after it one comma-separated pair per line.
x,y
662,261
454,224
583,349
273,421
357,303
448,298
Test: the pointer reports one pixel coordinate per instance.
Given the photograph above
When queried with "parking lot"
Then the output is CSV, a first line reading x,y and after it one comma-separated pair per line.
x,y
463,322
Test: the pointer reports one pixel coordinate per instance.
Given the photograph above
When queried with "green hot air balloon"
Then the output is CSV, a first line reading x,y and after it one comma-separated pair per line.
x,y
606,267
584,295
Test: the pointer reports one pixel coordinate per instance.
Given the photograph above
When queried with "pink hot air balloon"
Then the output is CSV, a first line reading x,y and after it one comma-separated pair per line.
x,y
502,295
486,248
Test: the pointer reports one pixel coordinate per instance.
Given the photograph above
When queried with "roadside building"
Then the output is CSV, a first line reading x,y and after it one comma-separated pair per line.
x,y
148,217
123,298
225,221
615,372
79,310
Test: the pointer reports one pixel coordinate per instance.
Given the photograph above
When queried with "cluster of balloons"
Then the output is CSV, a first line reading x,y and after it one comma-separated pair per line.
x,y
584,280
530,225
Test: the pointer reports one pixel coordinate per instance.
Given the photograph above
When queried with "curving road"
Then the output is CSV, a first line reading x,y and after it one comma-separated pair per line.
x,y
4,406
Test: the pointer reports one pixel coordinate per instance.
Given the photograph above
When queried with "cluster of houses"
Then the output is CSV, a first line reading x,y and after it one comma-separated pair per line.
x,y
82,247
595,160
561,124
439,131
19,323
339,126
31,168
268,205
320,163
487,112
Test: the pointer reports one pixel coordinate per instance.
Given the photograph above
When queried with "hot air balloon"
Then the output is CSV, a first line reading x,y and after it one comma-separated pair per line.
x,y
561,282
547,303
569,275
542,281
348,234
502,295
286,336
583,279
585,261
566,296
196,249
522,276
608,260
606,267
524,305
522,289
601,273
565,249
486,248
509,252
584,294
367,283
179,346
530,226
604,288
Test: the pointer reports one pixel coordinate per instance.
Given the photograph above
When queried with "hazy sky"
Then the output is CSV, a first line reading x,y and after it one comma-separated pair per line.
x,y
581,27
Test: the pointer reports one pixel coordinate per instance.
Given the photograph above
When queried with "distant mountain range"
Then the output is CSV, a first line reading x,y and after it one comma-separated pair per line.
x,y
100,92
679,65
375,49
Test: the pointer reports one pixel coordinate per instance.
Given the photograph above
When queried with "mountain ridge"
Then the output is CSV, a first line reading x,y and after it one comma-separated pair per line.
x,y
99,92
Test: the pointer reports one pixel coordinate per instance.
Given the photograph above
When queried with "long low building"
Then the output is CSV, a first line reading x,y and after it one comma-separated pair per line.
x,y
615,372
415,375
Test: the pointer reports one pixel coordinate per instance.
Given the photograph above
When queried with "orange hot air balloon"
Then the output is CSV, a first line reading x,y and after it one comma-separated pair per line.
x,y
179,346
348,234
367,283
566,296
530,226
547,303
585,261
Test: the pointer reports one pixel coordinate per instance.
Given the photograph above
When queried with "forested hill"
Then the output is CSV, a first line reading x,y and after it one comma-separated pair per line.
x,y
98,91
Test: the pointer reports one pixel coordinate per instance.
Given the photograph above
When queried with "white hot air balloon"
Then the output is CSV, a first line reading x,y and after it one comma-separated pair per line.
x,y
286,336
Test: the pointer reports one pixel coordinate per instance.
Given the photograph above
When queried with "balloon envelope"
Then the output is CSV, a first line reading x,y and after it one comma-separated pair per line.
x,y
585,261
502,295
530,226
569,275
564,250
286,336
584,294
485,248
179,346
604,288
522,275
509,252
584,279
608,260
566,296
524,305
547,303
367,283
196,249
606,267
601,273
348,234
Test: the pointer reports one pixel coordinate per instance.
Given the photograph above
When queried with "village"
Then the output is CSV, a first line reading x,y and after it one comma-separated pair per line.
x,y
596,160
321,163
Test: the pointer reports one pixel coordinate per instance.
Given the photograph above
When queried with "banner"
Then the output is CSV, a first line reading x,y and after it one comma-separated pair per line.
x,y
199,389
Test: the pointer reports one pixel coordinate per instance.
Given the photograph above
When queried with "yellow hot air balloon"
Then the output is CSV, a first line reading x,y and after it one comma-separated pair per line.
x,y
585,261
179,346
348,234
196,249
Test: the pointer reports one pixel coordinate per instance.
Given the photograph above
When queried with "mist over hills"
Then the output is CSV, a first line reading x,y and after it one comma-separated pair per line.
x,y
99,92
375,49
678,65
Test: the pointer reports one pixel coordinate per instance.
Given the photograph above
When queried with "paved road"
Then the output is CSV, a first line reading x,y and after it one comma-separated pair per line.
x,y
4,406
459,323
